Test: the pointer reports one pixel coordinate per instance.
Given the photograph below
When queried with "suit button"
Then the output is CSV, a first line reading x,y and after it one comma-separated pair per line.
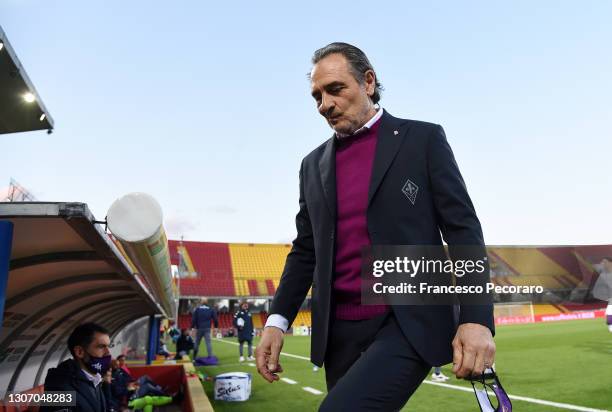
x,y
332,235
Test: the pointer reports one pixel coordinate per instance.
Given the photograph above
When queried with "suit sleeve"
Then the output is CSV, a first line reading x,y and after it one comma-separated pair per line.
x,y
456,215
119,386
107,395
299,266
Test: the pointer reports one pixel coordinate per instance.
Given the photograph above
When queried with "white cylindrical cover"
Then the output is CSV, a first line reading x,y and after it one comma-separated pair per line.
x,y
135,217
136,221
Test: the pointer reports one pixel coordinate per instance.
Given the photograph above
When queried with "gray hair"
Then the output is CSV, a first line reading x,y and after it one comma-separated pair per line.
x,y
358,63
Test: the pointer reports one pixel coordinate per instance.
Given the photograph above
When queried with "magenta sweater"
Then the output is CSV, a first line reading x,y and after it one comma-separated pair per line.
x,y
354,161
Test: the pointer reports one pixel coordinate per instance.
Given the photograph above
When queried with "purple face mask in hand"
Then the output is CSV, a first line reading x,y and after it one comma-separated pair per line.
x,y
487,386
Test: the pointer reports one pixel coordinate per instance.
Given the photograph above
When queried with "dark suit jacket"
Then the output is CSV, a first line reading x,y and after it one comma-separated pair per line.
x,y
406,149
67,376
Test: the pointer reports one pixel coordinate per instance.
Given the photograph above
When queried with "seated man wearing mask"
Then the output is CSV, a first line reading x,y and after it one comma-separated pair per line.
x,y
125,384
89,345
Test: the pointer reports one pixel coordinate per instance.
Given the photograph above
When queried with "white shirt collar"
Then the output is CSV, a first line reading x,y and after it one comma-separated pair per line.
x,y
95,379
367,125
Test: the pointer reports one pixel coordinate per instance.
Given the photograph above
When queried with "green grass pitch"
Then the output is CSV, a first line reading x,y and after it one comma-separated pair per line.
x,y
567,362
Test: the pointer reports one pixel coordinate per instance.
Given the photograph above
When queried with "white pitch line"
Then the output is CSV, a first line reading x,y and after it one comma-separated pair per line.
x,y
462,388
251,364
447,385
312,390
291,355
289,381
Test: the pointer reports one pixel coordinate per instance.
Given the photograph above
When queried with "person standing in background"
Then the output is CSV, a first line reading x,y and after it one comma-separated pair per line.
x,y
244,323
201,319
438,376
602,289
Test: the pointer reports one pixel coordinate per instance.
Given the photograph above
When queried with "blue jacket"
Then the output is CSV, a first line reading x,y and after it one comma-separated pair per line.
x,y
246,332
202,316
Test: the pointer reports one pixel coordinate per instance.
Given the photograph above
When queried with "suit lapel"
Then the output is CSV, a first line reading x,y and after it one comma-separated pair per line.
x,y
390,138
327,168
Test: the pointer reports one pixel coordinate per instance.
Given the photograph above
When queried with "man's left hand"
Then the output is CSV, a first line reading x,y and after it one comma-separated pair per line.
x,y
473,350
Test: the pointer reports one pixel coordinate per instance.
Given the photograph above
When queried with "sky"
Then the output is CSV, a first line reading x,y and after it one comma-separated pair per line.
x,y
206,106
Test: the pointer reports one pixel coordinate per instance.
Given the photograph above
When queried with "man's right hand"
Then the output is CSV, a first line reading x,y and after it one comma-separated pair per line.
x,y
268,352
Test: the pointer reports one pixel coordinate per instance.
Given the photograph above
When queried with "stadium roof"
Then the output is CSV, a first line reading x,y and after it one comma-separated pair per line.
x,y
21,108
64,270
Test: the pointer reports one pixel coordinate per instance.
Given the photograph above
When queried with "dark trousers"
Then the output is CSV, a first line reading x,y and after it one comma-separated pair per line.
x,y
146,386
203,333
370,366
249,345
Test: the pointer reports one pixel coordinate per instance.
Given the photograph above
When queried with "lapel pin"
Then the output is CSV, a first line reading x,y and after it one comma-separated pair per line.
x,y
395,132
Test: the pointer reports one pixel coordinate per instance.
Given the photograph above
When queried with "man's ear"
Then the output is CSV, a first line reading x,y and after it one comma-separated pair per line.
x,y
370,82
79,352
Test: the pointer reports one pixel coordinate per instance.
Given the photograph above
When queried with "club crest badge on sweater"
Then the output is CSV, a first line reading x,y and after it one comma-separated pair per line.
x,y
410,189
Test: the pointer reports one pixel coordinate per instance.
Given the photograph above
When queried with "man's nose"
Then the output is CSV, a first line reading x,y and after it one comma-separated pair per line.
x,y
326,107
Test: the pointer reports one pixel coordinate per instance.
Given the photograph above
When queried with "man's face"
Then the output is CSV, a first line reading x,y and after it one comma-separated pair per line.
x,y
340,98
121,362
245,306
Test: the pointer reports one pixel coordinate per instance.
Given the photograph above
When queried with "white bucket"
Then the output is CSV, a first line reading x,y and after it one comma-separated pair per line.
x,y
233,386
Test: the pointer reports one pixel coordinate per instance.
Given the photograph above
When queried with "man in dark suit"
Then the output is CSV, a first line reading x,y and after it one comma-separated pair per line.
x,y
84,373
379,180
